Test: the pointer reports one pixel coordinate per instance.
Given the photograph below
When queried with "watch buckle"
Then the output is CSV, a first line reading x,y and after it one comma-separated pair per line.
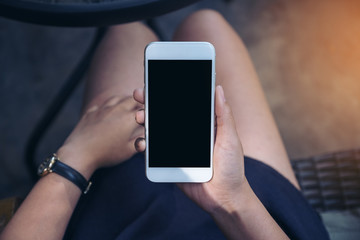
x,y
47,169
88,187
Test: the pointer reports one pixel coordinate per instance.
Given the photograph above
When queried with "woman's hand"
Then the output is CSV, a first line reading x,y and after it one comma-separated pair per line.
x,y
103,137
228,184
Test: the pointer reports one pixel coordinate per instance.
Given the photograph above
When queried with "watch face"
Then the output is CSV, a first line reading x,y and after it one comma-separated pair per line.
x,y
45,167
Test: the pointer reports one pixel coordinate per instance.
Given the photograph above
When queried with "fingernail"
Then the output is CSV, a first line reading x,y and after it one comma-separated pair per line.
x,y
221,92
138,142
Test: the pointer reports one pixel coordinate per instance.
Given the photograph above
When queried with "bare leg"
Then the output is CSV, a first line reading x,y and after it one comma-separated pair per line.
x,y
255,124
117,67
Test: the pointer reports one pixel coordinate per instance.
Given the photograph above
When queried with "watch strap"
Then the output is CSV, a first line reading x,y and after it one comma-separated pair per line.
x,y
72,175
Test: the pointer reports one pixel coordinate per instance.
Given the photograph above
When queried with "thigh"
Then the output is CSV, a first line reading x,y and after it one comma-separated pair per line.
x,y
234,71
117,66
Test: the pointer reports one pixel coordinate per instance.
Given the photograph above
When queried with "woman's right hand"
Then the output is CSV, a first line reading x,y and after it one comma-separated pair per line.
x,y
228,185
103,137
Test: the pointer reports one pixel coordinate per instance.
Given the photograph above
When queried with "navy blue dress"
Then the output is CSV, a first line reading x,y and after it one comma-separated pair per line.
x,y
123,204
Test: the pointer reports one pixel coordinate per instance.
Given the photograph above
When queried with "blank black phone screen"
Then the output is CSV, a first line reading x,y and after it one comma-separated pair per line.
x,y
179,113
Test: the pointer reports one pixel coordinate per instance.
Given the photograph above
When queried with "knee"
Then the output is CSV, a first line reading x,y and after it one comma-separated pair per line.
x,y
200,24
205,16
133,30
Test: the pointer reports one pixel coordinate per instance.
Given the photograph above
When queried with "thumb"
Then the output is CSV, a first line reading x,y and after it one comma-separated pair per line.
x,y
226,134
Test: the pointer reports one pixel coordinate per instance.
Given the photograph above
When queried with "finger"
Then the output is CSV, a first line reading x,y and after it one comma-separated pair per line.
x,y
140,144
215,122
138,132
139,95
224,119
140,117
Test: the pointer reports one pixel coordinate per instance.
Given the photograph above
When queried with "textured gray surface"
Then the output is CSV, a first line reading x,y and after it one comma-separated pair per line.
x,y
306,54
343,225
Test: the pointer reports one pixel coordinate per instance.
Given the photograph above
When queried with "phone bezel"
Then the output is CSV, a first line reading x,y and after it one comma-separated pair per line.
x,y
180,51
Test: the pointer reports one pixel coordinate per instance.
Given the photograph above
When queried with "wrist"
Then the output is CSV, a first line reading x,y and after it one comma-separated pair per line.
x,y
78,160
240,219
237,203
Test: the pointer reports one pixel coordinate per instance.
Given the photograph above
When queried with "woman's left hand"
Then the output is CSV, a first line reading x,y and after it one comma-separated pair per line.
x,y
228,186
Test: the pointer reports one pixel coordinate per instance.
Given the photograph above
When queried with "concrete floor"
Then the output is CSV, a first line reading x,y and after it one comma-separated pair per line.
x,y
307,55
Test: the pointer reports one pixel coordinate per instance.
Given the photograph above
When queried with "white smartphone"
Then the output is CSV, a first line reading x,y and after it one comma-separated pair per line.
x,y
179,111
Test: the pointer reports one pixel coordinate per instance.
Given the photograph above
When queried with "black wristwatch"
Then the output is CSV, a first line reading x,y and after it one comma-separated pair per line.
x,y
53,164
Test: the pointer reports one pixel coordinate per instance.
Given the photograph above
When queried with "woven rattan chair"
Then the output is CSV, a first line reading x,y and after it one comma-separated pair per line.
x,y
330,181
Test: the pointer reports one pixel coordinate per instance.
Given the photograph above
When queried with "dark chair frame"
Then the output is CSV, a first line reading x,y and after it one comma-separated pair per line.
x,y
99,14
